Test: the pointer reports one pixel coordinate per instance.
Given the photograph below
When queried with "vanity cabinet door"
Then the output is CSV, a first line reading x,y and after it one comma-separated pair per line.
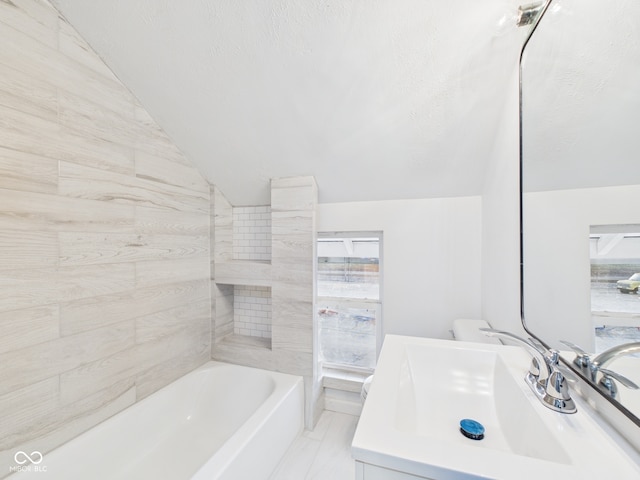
x,y
366,471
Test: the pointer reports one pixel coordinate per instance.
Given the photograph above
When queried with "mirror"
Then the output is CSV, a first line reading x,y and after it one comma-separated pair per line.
x,y
580,128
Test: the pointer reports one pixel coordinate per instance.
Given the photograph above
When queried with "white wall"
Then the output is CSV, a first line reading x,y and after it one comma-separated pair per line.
x,y
431,258
560,305
500,222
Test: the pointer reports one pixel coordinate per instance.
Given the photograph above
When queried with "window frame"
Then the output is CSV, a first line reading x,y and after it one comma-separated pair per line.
x,y
373,304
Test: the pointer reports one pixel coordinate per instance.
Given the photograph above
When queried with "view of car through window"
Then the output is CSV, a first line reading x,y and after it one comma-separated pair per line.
x,y
631,285
615,284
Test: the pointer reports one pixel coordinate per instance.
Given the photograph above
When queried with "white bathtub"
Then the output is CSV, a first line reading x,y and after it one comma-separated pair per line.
x,y
220,421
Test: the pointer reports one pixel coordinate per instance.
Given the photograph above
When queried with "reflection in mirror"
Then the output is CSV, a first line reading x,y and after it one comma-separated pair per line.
x,y
615,284
580,84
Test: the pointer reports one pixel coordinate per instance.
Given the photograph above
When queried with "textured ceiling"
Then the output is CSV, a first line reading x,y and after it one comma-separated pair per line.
x,y
379,99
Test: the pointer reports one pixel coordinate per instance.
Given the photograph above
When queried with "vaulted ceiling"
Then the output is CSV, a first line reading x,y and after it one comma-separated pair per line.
x,y
380,99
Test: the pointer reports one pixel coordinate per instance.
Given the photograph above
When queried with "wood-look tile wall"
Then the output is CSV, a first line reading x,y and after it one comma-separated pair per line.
x,y
104,240
221,245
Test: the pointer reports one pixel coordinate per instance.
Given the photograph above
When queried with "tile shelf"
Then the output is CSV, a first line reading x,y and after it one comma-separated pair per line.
x,y
245,341
243,272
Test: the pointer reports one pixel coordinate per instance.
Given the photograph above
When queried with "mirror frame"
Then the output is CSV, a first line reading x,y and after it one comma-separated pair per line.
x,y
587,381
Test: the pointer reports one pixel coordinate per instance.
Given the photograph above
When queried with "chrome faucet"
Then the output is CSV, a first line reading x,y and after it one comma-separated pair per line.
x,y
544,377
592,366
608,356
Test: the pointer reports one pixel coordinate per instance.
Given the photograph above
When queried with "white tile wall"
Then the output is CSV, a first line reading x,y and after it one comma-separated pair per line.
x,y
252,233
252,311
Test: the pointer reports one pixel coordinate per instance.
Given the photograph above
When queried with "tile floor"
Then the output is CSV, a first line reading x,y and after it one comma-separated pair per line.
x,y
323,454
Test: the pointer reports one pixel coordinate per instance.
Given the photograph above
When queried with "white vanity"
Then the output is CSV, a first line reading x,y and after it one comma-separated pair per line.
x,y
423,388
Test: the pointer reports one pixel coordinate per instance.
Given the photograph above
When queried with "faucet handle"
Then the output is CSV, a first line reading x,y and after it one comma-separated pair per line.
x,y
582,360
607,384
557,393
538,361
557,386
491,332
537,343
621,378
552,356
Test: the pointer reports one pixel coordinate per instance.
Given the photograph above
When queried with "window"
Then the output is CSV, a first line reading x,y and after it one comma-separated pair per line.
x,y
349,299
615,284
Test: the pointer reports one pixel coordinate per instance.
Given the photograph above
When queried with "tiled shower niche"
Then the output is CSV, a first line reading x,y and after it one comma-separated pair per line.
x,y
252,233
252,311
242,273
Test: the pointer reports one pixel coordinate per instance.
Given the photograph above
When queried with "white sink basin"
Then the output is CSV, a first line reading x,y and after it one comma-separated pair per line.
x,y
472,384
424,387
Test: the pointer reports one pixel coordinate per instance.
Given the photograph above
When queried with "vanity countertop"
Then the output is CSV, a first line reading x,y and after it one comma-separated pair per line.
x,y
423,387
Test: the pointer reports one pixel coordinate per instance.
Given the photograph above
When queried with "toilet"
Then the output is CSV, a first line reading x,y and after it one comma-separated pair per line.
x,y
365,388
